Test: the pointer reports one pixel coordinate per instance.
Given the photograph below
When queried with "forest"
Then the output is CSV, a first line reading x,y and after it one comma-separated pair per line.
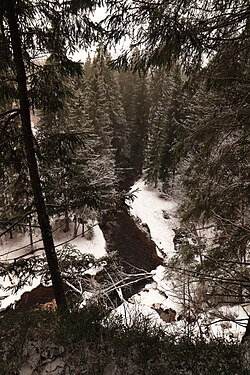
x,y
161,96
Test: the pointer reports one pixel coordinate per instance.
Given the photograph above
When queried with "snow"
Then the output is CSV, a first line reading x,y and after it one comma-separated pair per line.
x,y
8,298
130,312
221,327
167,287
158,293
96,246
19,245
149,206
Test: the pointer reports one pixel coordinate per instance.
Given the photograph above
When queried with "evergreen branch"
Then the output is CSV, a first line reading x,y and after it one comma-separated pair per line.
x,y
228,261
10,138
205,227
237,321
228,291
245,228
236,53
228,271
7,121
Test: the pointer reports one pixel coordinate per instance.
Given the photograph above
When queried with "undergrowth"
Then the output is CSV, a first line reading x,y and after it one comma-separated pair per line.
x,y
96,345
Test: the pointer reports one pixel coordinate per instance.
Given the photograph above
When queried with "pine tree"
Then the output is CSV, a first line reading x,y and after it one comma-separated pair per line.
x,y
166,113
56,29
214,146
99,112
175,115
158,120
75,172
120,140
134,91
185,31
15,190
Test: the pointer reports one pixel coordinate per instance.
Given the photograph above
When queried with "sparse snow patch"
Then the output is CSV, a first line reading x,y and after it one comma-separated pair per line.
x,y
130,312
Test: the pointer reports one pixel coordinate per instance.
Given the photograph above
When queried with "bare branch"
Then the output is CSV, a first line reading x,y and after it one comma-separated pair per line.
x,y
16,222
10,111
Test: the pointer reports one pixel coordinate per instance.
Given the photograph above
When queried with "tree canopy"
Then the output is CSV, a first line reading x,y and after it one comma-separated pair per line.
x,y
166,31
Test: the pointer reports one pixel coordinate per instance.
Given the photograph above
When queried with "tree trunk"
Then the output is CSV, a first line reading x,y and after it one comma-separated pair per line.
x,y
30,234
43,217
75,227
66,215
11,234
83,228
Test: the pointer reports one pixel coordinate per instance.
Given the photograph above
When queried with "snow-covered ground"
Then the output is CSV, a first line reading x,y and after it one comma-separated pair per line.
x,y
20,244
159,214
8,252
150,207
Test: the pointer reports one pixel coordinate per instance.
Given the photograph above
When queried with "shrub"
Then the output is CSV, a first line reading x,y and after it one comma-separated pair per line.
x,y
92,343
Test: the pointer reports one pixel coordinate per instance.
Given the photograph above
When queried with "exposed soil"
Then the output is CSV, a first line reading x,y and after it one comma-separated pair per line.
x,y
38,296
135,247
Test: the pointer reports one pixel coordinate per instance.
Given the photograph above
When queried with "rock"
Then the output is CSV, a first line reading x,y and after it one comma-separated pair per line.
x,y
165,215
167,315
132,243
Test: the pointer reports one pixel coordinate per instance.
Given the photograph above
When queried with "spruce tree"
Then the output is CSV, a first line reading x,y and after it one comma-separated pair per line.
x,y
99,112
167,110
157,123
56,29
135,99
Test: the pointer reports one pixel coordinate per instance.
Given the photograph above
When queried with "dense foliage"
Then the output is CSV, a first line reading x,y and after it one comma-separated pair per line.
x,y
88,341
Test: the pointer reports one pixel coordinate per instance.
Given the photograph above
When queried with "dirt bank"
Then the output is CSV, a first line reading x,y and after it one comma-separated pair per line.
x,y
134,246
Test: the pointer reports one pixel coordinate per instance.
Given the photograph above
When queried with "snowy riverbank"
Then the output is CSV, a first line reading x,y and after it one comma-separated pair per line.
x,y
159,215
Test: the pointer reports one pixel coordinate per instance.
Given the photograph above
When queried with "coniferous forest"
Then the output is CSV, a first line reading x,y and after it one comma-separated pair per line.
x,y
162,94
